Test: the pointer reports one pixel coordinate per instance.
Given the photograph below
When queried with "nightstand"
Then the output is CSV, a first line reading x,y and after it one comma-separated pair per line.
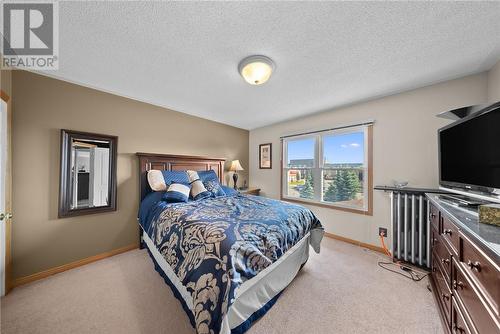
x,y
250,191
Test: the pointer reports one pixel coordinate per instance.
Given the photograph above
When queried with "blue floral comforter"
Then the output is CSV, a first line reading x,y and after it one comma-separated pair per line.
x,y
214,245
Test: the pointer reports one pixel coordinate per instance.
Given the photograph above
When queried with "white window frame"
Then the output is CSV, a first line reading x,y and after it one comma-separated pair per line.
x,y
318,168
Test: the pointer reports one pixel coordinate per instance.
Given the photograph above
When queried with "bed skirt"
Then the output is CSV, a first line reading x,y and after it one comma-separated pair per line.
x,y
255,296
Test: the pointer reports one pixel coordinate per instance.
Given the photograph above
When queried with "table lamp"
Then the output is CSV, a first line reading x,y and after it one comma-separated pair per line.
x,y
235,167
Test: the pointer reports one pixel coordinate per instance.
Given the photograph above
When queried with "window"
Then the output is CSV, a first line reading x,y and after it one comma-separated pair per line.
x,y
330,168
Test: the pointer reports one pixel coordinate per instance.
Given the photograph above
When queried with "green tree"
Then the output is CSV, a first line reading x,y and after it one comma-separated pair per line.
x,y
344,187
307,190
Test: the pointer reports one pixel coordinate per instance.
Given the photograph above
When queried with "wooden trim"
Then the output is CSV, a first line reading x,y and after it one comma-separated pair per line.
x,y
4,96
81,144
8,198
369,209
355,242
52,271
369,212
329,206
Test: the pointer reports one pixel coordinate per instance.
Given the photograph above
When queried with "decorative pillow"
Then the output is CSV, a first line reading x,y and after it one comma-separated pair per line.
x,y
211,182
207,175
198,190
215,188
159,180
156,180
177,192
229,191
192,175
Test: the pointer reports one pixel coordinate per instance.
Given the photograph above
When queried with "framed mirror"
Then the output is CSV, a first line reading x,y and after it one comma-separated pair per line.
x,y
88,173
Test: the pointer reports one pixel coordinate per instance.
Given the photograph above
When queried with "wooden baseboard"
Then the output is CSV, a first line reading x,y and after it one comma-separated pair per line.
x,y
355,242
52,271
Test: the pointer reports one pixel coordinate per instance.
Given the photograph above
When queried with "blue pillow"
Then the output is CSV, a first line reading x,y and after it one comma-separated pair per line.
x,y
175,176
177,192
205,175
211,182
229,191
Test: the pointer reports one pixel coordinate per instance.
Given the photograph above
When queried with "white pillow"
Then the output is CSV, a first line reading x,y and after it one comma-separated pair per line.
x,y
198,190
156,180
192,175
177,192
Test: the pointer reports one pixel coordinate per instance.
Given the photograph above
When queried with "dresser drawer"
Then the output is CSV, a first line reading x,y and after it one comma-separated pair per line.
x,y
443,255
483,272
463,289
449,232
458,323
443,292
434,217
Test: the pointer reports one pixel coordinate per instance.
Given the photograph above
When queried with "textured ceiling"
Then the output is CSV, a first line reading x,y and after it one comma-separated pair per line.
x,y
184,56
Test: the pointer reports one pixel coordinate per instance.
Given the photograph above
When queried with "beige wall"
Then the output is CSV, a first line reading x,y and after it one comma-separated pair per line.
x,y
404,146
494,83
42,106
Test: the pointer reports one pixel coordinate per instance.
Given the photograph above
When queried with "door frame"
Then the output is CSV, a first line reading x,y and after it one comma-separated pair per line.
x,y
8,195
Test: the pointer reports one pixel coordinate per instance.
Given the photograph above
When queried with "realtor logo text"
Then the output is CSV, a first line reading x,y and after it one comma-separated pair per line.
x,y
31,35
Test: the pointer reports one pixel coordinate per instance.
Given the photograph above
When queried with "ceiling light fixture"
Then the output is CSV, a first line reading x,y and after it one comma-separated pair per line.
x,y
256,70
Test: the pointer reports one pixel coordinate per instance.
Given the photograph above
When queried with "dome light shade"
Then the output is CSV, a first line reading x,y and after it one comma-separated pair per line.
x,y
256,70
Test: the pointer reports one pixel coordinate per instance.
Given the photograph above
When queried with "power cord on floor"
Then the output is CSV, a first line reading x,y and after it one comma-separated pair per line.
x,y
406,271
411,274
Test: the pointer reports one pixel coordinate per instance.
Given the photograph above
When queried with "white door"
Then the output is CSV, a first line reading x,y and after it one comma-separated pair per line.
x,y
99,176
3,216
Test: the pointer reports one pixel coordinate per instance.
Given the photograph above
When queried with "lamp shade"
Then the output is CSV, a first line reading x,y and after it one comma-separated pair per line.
x,y
235,166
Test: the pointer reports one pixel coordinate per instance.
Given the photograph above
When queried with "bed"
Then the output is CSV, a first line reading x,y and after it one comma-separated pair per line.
x,y
227,259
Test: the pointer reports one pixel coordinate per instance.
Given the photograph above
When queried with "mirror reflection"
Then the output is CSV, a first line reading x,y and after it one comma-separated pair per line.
x,y
90,173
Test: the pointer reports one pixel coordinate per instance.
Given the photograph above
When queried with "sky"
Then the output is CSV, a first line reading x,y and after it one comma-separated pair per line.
x,y
347,148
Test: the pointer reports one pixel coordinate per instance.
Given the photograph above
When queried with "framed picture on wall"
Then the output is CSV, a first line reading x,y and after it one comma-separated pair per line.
x,y
265,156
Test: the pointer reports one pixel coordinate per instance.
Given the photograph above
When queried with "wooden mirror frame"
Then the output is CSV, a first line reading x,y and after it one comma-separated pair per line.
x,y
65,173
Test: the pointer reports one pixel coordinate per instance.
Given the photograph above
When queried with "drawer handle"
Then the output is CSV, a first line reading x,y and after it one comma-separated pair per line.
x,y
447,231
458,285
445,261
445,296
474,265
432,215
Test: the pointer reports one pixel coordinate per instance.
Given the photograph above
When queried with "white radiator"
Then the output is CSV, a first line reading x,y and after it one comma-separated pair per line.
x,y
410,227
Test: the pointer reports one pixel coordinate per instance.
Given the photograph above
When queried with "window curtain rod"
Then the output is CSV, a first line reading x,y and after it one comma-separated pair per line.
x,y
325,130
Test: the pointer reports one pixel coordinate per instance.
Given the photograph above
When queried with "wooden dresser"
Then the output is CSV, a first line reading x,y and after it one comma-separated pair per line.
x,y
465,275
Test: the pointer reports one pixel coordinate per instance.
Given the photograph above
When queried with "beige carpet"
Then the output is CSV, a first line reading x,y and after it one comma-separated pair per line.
x,y
342,290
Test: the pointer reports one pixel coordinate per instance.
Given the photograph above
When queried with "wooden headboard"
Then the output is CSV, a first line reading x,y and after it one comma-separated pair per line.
x,y
148,161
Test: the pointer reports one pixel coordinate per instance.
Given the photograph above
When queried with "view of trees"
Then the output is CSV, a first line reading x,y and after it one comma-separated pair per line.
x,y
344,187
338,185
308,191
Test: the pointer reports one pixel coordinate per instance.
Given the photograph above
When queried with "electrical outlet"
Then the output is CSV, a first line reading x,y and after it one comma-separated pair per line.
x,y
382,231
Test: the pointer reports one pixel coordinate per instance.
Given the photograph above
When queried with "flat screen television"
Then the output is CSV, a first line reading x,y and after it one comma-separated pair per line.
x,y
469,154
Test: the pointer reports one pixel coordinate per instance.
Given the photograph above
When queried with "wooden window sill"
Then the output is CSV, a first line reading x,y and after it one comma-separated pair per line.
x,y
367,212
